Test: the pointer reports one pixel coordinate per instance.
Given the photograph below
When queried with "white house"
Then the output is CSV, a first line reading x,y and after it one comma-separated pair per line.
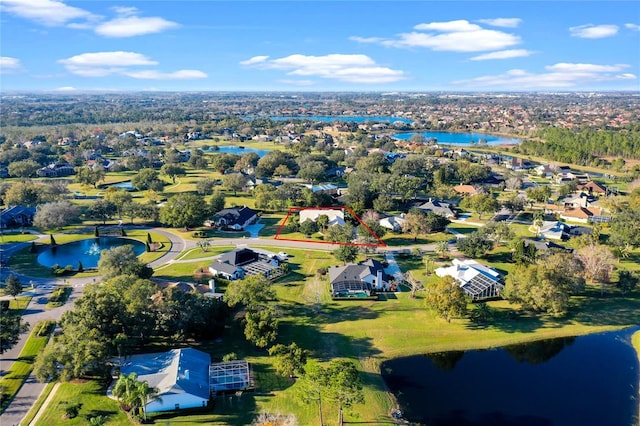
x,y
477,280
554,230
180,375
392,222
336,216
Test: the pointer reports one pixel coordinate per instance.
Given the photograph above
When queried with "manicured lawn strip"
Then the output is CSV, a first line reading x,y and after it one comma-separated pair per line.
x,y
197,253
36,406
21,368
94,403
58,297
16,238
19,303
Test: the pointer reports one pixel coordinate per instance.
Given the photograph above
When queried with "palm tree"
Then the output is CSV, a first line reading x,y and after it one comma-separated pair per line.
x,y
123,389
442,248
144,394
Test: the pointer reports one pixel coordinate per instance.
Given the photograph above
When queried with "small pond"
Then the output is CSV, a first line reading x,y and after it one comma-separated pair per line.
x,y
458,138
581,381
239,150
87,251
126,185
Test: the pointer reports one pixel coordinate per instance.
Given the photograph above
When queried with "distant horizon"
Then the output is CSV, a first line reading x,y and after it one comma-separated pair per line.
x,y
319,46
383,92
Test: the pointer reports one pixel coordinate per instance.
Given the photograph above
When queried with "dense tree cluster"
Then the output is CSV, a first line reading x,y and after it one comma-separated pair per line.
x,y
120,314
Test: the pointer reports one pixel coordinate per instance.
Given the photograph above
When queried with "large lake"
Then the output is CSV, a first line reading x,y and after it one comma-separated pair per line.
x,y
344,118
458,138
581,381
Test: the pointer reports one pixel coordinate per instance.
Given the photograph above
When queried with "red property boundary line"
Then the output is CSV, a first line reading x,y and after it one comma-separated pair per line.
x,y
348,209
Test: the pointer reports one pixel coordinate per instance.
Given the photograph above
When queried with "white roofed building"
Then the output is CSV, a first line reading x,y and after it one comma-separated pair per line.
x,y
477,280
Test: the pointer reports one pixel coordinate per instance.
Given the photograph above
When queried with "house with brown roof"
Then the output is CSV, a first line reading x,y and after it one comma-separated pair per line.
x,y
468,189
593,188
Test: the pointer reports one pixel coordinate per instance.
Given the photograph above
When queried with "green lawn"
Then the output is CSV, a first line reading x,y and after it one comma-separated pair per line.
x,y
16,238
91,395
370,332
197,253
15,376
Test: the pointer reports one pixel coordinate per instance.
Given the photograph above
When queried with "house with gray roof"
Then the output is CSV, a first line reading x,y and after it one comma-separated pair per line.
x,y
235,218
181,377
365,276
477,280
439,207
17,216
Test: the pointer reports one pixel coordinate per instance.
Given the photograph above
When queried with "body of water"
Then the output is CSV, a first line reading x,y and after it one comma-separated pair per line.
x,y
126,185
583,381
458,138
240,150
344,118
87,251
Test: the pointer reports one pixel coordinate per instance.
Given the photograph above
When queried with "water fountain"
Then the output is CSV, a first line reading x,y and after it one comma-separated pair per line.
x,y
94,250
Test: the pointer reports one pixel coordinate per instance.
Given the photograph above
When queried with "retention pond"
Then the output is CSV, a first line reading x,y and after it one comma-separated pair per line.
x,y
581,381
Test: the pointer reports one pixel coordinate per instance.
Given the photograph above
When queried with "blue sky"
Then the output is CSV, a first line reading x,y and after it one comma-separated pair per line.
x,y
319,45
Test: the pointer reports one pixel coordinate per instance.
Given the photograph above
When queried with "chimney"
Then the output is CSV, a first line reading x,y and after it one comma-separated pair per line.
x,y
212,285
379,278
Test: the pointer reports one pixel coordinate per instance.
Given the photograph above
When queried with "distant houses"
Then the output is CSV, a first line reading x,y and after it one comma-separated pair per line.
x,y
234,218
439,207
56,170
17,216
477,280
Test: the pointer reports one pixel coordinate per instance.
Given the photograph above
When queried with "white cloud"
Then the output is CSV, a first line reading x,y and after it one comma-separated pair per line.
x,y
449,27
254,60
366,39
347,68
503,54
593,31
453,36
102,64
568,67
50,13
128,24
502,22
8,64
65,89
634,27
157,75
561,75
55,13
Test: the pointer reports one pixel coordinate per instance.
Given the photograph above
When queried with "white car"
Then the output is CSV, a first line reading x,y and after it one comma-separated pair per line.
x,y
283,255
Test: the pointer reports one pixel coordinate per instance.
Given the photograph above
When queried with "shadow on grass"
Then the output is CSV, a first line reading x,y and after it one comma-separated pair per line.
x,y
612,308
229,409
511,321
